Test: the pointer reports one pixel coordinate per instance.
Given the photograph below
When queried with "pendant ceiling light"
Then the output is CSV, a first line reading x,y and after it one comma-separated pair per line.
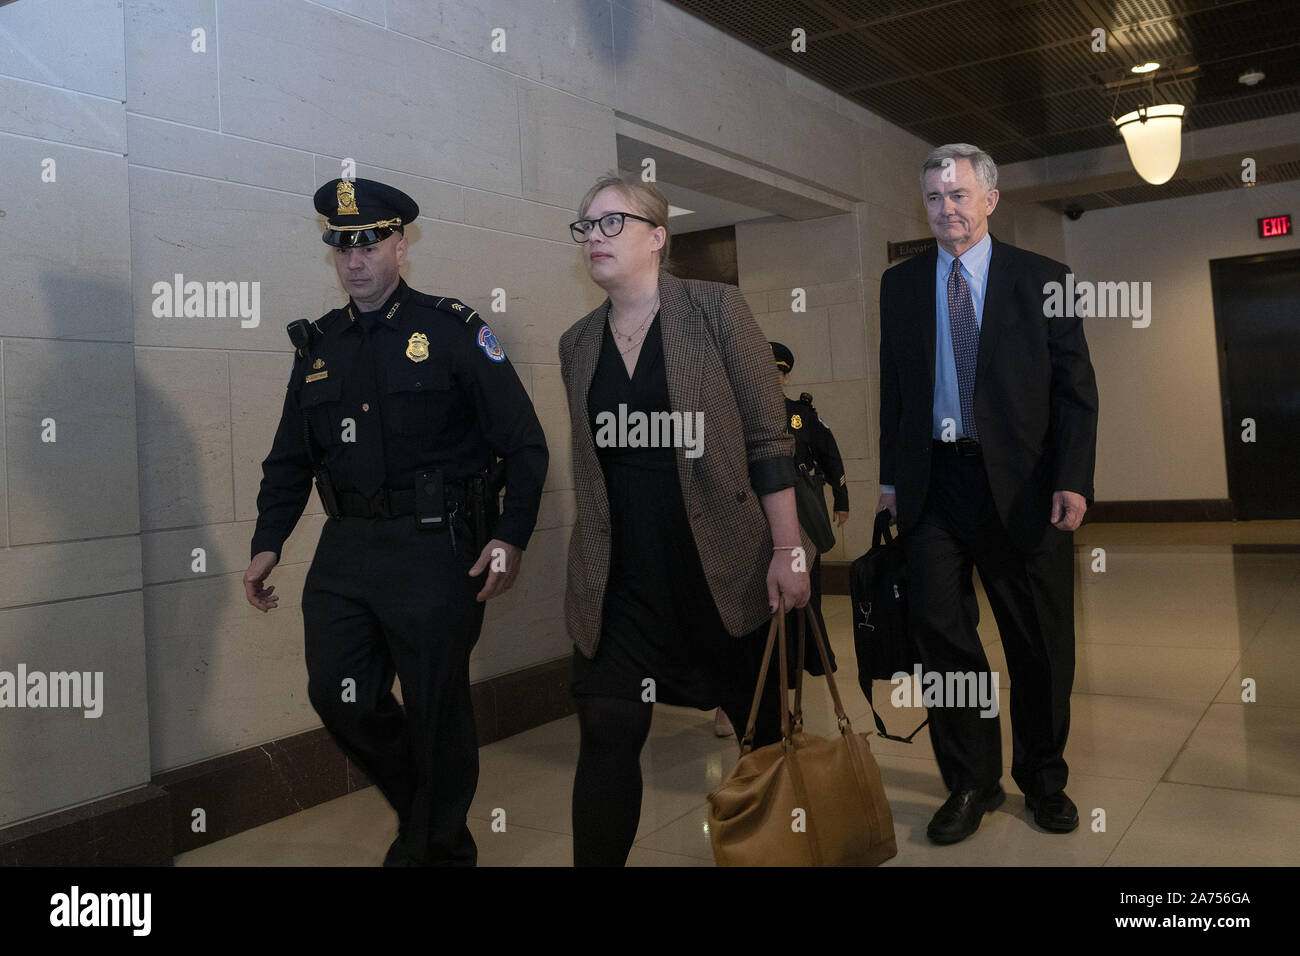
x,y
1154,137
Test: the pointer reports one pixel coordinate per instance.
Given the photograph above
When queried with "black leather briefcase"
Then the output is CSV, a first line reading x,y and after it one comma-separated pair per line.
x,y
881,640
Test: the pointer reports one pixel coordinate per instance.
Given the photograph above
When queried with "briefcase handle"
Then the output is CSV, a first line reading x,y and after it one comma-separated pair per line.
x,y
881,537
776,635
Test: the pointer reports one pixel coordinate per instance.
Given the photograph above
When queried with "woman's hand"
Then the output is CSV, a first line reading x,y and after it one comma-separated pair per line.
x,y
787,573
786,584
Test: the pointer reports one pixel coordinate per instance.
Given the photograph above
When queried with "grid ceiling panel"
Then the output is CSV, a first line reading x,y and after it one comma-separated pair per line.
x,y
1019,76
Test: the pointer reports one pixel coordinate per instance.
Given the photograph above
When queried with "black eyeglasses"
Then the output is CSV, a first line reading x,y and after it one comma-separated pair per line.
x,y
611,224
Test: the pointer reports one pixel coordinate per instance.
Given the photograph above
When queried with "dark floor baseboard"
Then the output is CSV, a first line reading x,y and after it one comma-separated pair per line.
x,y
217,798
129,829
1182,509
193,806
835,577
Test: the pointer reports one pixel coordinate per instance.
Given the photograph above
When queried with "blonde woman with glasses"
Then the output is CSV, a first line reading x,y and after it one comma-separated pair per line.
x,y
685,537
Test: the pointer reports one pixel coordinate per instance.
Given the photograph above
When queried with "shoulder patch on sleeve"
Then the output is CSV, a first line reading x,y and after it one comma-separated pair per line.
x,y
487,341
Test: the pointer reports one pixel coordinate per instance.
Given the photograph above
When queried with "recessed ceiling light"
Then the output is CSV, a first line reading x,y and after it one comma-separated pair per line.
x,y
679,211
1251,77
1146,67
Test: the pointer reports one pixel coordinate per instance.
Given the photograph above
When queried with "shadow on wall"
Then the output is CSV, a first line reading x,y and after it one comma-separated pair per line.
x,y
77,493
598,14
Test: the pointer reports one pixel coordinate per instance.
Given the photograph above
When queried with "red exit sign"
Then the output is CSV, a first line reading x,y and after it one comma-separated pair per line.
x,y
1271,226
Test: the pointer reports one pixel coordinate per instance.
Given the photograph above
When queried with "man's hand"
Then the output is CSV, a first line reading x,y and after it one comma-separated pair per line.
x,y
785,583
498,581
261,598
888,501
1067,510
840,518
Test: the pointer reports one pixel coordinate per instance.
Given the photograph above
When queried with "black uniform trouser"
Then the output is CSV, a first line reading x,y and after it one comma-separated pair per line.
x,y
1032,596
383,597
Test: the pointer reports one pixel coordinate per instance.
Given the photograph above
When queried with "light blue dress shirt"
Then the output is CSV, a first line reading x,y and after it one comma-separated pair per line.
x,y
975,269
947,398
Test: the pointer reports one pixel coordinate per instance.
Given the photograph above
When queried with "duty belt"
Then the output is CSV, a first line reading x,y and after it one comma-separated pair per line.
x,y
391,504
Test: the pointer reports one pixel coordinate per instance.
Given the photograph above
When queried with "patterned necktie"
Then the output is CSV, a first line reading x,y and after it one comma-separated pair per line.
x,y
965,344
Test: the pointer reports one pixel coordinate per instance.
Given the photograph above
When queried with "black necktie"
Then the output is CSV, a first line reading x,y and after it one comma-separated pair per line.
x,y
368,453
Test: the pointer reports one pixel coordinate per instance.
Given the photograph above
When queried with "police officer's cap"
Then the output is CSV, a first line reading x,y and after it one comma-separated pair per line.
x,y
362,212
784,357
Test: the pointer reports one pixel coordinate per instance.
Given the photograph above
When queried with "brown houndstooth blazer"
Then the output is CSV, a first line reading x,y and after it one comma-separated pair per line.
x,y
717,362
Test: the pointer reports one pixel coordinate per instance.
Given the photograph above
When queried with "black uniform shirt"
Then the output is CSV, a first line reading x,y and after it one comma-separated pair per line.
x,y
815,448
418,384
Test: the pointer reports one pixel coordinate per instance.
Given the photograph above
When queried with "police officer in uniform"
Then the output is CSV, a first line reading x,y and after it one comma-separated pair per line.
x,y
816,453
400,405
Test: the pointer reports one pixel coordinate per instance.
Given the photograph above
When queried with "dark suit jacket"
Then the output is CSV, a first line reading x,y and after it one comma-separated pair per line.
x,y
1035,392
717,362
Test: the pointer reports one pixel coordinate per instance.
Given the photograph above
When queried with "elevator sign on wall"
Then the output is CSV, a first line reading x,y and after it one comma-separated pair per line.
x,y
1271,226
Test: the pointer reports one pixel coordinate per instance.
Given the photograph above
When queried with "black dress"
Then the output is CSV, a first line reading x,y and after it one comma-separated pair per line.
x,y
659,619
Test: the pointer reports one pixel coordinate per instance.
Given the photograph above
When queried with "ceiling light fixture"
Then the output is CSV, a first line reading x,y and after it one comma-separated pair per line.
x,y
1154,137
1147,67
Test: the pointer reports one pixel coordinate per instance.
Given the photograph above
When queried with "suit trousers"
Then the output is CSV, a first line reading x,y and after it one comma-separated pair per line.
x,y
385,598
1032,597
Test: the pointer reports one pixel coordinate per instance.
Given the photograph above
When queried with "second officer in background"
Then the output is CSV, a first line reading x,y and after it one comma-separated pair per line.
x,y
815,454
399,404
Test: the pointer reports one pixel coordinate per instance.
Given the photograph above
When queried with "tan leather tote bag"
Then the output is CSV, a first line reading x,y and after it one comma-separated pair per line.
x,y
805,801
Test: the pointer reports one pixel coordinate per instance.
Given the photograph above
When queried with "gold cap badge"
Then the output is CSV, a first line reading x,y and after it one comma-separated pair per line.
x,y
417,349
347,194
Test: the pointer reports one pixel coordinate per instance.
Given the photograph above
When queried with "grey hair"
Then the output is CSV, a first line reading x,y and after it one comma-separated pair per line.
x,y
986,171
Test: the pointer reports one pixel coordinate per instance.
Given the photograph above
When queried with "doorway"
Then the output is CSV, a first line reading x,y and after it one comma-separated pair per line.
x,y
1257,325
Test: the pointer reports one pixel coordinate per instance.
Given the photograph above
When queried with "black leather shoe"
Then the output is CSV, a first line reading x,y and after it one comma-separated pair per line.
x,y
961,814
397,855
1055,813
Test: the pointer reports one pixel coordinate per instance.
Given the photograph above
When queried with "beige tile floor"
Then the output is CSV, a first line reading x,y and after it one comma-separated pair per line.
x,y
1168,765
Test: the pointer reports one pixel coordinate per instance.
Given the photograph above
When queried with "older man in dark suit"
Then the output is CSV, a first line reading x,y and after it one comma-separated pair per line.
x,y
988,425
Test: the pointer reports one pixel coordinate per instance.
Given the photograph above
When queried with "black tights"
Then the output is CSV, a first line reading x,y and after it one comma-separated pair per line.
x,y
607,785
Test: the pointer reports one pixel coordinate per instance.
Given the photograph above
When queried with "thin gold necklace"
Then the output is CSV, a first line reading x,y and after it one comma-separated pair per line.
x,y
654,308
629,338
